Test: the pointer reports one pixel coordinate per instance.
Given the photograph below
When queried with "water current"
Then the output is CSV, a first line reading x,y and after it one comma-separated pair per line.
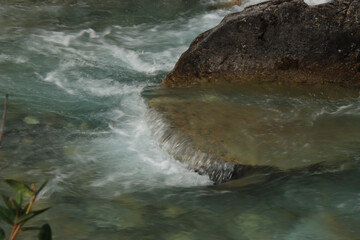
x,y
76,72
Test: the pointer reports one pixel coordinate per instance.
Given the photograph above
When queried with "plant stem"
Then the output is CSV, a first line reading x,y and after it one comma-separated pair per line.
x,y
13,230
18,227
32,198
3,118
16,232
15,226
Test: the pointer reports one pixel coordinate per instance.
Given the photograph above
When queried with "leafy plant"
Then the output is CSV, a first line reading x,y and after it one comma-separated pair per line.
x,y
17,212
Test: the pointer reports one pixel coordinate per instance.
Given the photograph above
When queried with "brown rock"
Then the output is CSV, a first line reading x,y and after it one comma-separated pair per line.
x,y
239,130
279,40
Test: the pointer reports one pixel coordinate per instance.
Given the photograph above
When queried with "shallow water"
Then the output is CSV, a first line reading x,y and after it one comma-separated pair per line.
x,y
77,73
273,127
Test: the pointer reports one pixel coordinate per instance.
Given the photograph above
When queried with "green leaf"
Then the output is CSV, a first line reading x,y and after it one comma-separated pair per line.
x,y
29,216
45,232
7,215
23,211
16,207
20,187
19,198
2,234
24,229
8,203
42,186
25,218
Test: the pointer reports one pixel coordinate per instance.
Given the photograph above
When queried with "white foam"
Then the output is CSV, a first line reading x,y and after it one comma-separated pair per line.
x,y
348,109
309,2
316,2
133,59
143,48
127,155
145,164
53,77
254,2
75,83
8,58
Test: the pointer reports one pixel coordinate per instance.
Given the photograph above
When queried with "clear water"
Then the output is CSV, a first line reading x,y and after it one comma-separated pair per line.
x,y
285,127
76,72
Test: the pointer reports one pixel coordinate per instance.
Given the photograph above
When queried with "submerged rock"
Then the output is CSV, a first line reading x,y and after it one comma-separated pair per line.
x,y
281,40
245,130
31,120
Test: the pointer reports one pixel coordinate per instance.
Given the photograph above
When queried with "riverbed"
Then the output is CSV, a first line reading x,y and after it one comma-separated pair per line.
x,y
78,73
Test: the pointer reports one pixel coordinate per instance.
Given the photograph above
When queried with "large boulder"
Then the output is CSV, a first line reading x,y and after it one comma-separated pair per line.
x,y
281,40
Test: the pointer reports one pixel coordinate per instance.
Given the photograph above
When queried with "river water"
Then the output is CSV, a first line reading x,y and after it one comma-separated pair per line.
x,y
76,73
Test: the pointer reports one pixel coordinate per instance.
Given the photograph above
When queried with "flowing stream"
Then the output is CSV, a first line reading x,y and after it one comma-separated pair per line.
x,y
77,73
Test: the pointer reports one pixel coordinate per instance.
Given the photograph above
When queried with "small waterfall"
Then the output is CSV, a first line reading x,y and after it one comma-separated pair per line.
x,y
182,149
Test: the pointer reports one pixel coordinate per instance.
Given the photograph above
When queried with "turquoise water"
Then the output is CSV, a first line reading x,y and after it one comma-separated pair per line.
x,y
76,72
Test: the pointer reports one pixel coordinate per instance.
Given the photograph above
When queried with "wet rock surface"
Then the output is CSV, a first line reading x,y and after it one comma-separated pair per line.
x,y
280,40
240,130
